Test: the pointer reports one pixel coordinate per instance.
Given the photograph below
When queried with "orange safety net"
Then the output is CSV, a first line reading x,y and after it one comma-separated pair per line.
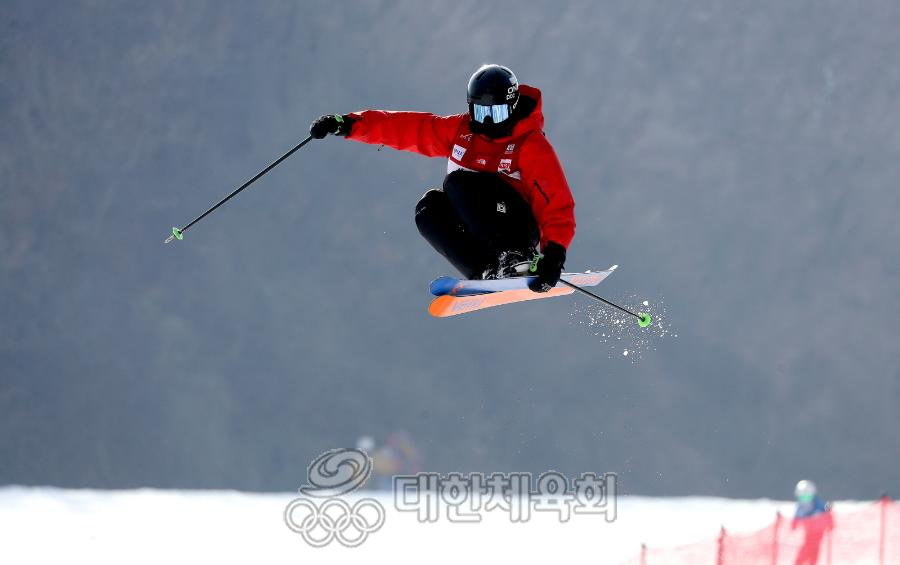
x,y
868,536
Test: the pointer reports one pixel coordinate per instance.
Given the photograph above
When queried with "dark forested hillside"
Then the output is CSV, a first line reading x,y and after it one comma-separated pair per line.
x,y
738,161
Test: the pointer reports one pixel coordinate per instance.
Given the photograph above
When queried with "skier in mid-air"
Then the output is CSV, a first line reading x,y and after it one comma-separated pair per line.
x,y
505,192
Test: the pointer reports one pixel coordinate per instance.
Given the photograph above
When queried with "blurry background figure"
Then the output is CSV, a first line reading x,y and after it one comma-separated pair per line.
x,y
808,501
814,515
397,456
366,443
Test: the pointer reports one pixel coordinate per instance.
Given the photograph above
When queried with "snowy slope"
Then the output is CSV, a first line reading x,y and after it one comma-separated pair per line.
x,y
47,525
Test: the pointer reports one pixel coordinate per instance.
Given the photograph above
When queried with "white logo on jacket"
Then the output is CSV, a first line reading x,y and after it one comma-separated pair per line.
x,y
458,152
505,166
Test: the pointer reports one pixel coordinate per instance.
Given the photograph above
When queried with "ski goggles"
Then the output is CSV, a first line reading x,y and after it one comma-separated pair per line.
x,y
805,497
497,112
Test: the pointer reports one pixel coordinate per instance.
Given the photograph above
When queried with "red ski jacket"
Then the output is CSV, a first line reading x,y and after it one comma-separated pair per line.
x,y
525,159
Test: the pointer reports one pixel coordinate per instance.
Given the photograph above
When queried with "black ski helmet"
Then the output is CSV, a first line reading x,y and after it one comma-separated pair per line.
x,y
493,95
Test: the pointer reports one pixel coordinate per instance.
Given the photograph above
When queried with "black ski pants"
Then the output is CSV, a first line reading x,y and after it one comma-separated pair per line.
x,y
474,218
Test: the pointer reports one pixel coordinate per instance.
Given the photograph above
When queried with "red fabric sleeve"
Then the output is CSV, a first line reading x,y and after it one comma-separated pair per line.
x,y
418,132
551,199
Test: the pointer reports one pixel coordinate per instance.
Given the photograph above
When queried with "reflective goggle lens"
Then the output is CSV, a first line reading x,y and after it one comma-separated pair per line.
x,y
497,112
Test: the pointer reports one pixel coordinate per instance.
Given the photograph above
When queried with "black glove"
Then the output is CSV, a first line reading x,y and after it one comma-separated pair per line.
x,y
331,124
548,268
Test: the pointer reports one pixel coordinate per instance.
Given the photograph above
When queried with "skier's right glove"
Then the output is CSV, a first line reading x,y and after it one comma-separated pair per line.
x,y
331,124
548,268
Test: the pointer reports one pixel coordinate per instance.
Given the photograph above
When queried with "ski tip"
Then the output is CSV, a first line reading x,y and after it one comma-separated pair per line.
x,y
613,268
443,285
443,307
644,320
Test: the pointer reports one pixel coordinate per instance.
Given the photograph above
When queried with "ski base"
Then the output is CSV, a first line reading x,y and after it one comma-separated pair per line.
x,y
448,305
461,296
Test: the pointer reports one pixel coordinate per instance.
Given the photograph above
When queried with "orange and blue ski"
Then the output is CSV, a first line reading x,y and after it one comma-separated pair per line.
x,y
464,296
464,287
449,305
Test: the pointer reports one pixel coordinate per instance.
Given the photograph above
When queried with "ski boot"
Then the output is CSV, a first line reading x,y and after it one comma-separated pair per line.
x,y
508,264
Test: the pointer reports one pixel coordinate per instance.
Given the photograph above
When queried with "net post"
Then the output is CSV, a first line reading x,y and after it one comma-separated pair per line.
x,y
776,526
885,500
720,547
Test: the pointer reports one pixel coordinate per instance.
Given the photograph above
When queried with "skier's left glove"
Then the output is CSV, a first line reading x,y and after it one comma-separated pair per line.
x,y
548,267
331,124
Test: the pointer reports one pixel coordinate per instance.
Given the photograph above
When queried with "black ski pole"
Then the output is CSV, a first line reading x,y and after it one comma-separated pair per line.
x,y
644,320
178,233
